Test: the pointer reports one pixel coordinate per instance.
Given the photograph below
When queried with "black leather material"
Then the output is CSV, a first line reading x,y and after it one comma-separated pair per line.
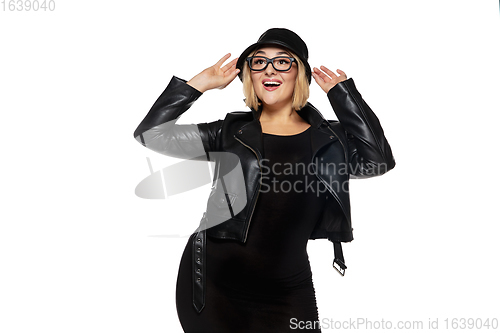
x,y
199,268
353,147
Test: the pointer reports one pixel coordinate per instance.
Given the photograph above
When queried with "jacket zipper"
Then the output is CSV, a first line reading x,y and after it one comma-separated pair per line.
x,y
258,192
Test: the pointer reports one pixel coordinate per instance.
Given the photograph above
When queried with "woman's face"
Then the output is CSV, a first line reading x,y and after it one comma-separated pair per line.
x,y
276,95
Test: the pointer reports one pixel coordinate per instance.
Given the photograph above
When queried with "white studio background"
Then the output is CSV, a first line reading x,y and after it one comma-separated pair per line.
x,y
79,252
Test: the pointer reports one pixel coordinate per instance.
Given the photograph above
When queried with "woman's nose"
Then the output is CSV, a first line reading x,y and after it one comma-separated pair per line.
x,y
270,69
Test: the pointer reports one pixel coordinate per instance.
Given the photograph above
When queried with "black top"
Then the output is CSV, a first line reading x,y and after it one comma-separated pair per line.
x,y
289,204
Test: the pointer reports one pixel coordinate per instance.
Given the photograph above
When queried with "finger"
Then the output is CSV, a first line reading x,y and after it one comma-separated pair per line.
x,y
321,83
323,76
230,77
229,65
235,73
322,73
329,72
230,71
319,80
222,60
341,72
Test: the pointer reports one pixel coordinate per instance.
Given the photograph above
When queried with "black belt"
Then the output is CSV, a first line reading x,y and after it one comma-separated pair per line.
x,y
339,258
199,266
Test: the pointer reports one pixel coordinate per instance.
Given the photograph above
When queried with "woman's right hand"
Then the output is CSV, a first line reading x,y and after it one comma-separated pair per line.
x,y
215,76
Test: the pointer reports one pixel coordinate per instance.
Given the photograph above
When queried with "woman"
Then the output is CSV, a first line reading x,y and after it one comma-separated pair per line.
x,y
281,178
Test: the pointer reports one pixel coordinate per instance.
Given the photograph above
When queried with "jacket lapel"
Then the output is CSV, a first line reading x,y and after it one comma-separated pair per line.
x,y
251,135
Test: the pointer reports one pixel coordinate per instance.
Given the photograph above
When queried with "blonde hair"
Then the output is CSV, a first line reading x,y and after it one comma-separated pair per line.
x,y
300,91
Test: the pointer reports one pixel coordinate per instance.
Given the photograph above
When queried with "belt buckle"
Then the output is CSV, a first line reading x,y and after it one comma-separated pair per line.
x,y
341,266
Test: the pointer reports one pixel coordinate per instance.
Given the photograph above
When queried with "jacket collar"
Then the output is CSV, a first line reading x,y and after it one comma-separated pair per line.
x,y
251,133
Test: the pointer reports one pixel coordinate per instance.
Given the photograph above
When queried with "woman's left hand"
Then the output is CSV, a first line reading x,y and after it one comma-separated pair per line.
x,y
327,79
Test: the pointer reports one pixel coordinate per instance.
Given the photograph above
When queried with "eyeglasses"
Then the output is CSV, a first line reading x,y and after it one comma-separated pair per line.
x,y
281,64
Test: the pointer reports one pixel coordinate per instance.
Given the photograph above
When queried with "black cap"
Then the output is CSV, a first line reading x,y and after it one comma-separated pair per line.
x,y
279,37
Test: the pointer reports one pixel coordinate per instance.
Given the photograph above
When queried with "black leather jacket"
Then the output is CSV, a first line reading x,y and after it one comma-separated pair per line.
x,y
355,147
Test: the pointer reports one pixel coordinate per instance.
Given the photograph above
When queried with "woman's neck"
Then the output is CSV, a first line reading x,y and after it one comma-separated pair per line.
x,y
279,114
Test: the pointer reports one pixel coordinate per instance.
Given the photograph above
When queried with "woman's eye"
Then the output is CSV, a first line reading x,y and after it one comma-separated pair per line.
x,y
284,61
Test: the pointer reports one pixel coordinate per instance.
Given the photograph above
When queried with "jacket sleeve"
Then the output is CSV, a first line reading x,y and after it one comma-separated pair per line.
x,y
368,151
159,132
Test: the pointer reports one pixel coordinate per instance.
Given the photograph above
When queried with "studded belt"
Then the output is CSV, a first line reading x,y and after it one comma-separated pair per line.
x,y
199,266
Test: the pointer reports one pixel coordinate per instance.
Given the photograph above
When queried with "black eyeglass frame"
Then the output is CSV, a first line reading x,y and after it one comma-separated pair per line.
x,y
270,61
